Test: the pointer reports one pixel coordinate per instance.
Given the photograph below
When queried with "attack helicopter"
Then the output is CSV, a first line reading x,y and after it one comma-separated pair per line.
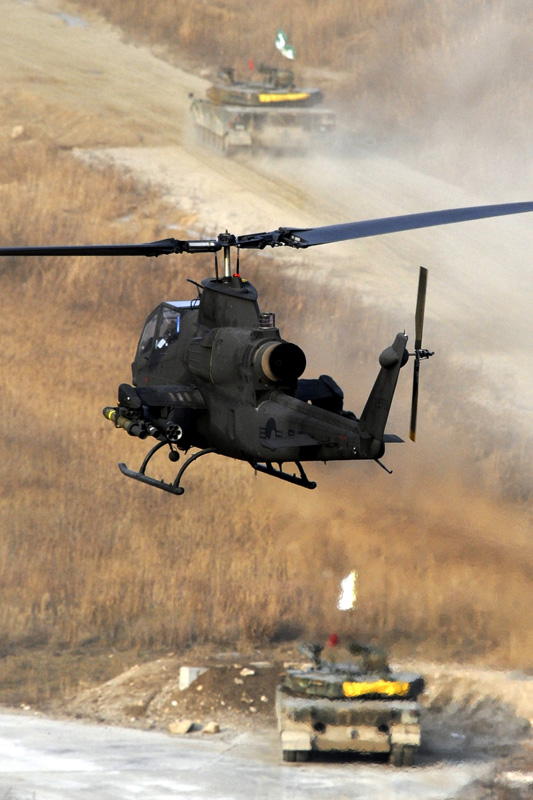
x,y
214,375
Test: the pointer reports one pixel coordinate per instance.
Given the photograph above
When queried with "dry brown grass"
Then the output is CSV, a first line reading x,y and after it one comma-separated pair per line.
x,y
442,548
337,35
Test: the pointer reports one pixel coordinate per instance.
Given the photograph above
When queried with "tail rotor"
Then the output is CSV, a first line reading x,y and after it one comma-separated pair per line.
x,y
419,353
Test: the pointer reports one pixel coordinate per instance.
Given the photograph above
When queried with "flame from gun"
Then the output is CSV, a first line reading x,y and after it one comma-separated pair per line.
x,y
348,592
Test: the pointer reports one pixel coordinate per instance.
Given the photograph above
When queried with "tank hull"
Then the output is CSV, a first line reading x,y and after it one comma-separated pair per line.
x,y
324,725
230,128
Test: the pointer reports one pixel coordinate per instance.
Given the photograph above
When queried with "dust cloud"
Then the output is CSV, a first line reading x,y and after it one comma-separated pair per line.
x,y
442,547
446,116
457,511
451,92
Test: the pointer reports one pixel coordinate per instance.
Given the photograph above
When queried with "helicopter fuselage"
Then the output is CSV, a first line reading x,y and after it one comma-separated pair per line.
x,y
214,373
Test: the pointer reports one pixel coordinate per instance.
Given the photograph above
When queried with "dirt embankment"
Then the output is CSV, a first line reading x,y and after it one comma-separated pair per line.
x,y
236,687
233,690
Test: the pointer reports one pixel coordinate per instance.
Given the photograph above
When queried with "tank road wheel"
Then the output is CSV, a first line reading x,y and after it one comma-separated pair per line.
x,y
402,755
295,755
396,755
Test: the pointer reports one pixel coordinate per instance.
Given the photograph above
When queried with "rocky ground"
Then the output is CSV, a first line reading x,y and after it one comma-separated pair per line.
x,y
234,690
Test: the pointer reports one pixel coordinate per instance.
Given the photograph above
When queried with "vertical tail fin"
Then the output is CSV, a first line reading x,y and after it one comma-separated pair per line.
x,y
376,411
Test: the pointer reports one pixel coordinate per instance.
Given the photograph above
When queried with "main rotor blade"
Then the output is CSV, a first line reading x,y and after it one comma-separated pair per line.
x,y
420,307
160,248
308,237
290,237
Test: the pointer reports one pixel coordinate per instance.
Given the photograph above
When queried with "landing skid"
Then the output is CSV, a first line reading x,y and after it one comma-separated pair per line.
x,y
174,487
300,480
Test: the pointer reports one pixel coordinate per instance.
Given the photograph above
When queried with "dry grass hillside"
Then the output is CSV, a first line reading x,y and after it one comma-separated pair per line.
x,y
442,548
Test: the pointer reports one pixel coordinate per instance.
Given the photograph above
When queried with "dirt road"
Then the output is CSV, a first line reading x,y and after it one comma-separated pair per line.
x,y
54,760
83,85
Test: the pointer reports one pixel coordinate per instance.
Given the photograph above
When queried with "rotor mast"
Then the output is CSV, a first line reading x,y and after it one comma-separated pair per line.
x,y
227,240
227,262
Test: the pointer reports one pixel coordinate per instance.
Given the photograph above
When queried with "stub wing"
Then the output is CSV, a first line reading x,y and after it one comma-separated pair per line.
x,y
186,396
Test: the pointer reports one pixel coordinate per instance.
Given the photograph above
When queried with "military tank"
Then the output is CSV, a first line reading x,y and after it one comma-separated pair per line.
x,y
358,705
271,113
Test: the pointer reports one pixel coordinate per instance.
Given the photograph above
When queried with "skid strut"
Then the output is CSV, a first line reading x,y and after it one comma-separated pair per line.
x,y
300,480
174,487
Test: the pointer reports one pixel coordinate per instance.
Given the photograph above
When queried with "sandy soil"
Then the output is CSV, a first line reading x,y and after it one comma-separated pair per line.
x,y
75,81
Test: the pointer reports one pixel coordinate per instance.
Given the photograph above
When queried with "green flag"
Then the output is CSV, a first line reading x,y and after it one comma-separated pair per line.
x,y
281,43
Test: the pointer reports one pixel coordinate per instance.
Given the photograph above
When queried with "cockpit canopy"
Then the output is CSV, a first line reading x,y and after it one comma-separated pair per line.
x,y
163,327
